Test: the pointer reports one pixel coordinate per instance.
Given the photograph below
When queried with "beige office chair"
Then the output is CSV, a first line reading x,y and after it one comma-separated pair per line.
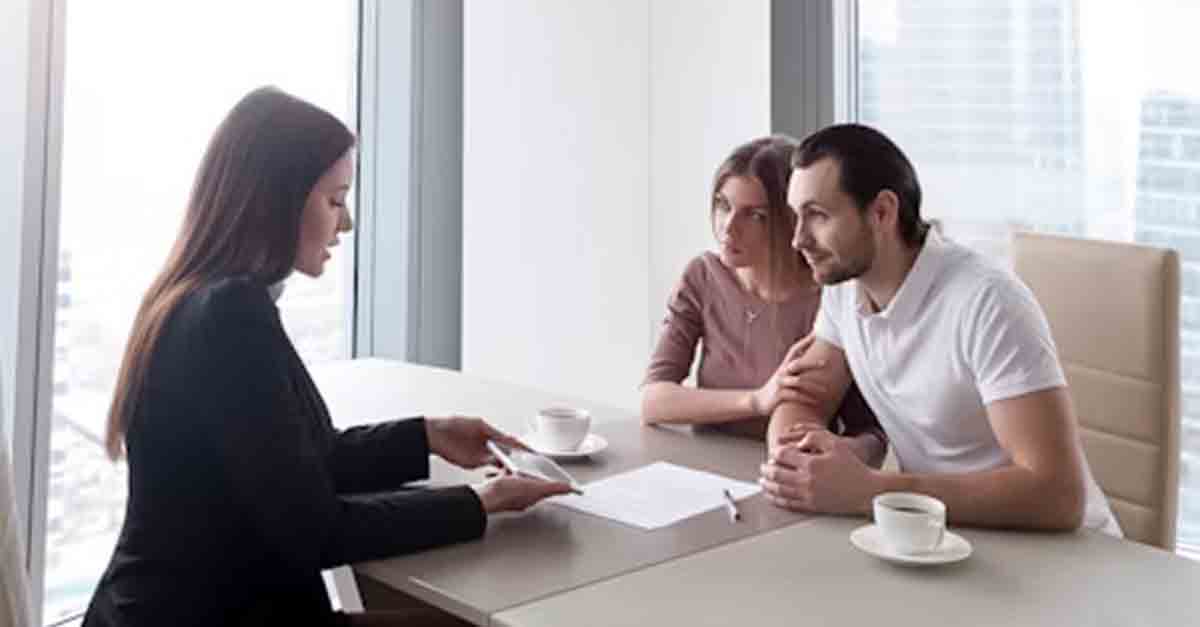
x,y
1114,312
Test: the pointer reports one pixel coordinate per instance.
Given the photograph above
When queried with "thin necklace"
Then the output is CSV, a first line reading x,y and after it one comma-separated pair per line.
x,y
752,313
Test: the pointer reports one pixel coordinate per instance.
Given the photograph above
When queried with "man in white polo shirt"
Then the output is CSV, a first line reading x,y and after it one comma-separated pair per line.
x,y
952,353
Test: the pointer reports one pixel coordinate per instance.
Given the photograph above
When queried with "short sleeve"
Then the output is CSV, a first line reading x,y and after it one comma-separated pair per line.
x,y
681,329
826,327
1007,342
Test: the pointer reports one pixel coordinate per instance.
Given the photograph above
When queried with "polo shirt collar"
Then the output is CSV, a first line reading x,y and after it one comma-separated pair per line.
x,y
916,284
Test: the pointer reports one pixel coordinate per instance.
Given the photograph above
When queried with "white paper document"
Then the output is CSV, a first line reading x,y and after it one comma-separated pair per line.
x,y
656,495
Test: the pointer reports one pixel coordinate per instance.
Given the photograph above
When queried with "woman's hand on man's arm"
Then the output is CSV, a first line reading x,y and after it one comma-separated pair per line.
x,y
820,379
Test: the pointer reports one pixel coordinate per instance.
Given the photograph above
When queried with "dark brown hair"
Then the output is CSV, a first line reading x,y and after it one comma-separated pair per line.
x,y
242,219
868,163
766,160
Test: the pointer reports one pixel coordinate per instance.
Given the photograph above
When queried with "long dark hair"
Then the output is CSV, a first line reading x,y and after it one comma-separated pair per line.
x,y
767,160
242,219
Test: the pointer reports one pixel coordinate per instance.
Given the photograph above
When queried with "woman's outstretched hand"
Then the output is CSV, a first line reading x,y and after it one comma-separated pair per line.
x,y
509,493
462,440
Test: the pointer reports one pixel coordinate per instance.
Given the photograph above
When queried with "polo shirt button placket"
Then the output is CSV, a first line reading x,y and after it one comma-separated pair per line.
x,y
876,329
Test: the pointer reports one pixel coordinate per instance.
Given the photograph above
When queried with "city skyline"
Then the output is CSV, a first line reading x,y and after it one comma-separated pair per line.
x,y
1168,214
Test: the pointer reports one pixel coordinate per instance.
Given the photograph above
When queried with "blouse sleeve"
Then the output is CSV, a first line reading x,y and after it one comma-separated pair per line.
x,y
681,330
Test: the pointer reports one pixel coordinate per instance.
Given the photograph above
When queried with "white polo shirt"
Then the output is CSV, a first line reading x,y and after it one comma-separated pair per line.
x,y
958,335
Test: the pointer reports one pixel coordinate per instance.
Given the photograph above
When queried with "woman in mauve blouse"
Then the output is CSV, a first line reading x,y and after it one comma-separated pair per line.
x,y
750,308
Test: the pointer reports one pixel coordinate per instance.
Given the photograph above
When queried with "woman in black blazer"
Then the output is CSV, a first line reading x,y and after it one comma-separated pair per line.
x,y
240,488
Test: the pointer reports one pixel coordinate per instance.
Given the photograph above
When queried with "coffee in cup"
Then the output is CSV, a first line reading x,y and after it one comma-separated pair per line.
x,y
910,523
561,428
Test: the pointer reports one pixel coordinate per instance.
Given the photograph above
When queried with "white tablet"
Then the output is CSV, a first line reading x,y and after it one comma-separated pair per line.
x,y
533,465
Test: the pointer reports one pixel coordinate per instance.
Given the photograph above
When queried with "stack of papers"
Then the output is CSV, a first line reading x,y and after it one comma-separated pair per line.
x,y
657,495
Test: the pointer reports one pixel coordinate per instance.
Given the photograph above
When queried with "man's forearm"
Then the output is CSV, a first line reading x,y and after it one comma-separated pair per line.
x,y
788,415
1013,497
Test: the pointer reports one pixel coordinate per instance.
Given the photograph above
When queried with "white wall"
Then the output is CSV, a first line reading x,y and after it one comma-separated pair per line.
x,y
14,67
554,195
710,91
591,131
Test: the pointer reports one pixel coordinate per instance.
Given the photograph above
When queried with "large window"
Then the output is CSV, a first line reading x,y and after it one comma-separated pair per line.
x,y
146,83
1056,115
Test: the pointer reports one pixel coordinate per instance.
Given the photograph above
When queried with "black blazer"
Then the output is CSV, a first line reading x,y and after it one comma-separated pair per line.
x,y
240,488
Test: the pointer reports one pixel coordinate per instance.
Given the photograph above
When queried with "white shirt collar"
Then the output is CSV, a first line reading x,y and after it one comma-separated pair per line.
x,y
916,283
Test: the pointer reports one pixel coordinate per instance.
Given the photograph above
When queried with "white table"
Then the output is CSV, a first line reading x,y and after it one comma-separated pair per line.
x,y
549,549
553,567
809,574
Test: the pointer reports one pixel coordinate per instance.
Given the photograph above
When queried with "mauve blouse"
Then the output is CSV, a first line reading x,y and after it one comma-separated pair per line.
x,y
742,340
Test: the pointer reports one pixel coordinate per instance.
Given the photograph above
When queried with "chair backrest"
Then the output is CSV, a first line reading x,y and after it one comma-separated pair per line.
x,y
1114,311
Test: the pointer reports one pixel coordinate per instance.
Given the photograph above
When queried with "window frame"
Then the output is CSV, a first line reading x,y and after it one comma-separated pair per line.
x,y
410,182
37,282
814,64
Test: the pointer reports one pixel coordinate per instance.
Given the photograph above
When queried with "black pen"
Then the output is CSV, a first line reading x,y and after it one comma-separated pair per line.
x,y
731,506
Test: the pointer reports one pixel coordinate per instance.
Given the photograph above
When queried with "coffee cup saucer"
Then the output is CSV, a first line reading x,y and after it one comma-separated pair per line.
x,y
591,445
869,539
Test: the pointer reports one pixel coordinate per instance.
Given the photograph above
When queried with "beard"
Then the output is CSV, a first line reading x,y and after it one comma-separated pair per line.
x,y
854,265
843,273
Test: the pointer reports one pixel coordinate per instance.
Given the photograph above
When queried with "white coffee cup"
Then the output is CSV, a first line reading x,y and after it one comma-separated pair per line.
x,y
911,523
561,428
